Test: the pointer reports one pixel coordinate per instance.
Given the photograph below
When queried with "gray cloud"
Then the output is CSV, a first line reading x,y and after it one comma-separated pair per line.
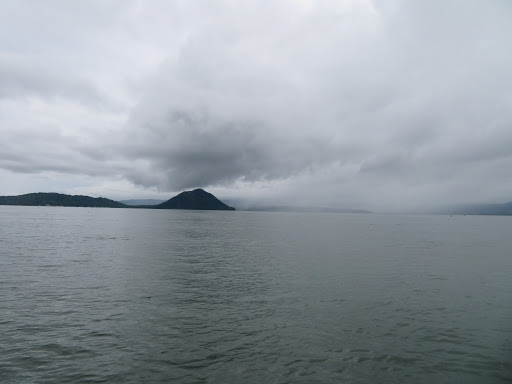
x,y
195,149
377,103
20,78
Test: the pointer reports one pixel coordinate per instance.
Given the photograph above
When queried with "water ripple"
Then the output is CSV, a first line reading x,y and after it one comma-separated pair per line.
x,y
125,296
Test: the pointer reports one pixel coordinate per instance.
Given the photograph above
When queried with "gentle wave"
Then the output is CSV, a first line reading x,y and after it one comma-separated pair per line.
x,y
119,296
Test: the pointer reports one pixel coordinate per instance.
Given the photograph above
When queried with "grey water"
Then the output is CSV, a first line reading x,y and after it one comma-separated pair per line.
x,y
152,296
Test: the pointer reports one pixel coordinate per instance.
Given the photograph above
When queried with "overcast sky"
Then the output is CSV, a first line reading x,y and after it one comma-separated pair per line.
x,y
384,104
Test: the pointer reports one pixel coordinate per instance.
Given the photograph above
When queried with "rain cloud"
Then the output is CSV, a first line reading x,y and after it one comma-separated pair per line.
x,y
380,104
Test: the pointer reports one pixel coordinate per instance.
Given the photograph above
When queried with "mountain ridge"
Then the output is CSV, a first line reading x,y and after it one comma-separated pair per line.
x,y
60,199
138,202
499,209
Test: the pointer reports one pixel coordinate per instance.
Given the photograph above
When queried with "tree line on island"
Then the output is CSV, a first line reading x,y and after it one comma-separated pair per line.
x,y
196,199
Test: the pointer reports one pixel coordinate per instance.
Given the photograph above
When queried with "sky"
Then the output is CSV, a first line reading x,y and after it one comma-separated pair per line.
x,y
381,105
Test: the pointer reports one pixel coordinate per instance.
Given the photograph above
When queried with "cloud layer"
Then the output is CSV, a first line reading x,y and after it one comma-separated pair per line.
x,y
381,104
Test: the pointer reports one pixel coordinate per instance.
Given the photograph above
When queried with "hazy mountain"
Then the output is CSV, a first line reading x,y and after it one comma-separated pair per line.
x,y
59,199
481,209
262,205
196,199
142,202
292,208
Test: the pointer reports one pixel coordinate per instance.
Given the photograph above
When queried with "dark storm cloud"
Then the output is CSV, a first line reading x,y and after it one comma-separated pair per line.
x,y
195,149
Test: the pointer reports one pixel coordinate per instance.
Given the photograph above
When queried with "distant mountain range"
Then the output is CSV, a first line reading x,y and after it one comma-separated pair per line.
x,y
202,200
242,204
141,202
196,199
291,208
481,209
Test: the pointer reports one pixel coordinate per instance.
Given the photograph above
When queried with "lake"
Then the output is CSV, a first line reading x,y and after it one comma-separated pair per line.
x,y
151,296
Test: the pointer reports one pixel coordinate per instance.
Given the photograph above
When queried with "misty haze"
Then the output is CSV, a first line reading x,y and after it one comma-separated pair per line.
x,y
306,191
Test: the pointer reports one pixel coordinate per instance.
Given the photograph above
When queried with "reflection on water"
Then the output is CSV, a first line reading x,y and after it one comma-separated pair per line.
x,y
120,295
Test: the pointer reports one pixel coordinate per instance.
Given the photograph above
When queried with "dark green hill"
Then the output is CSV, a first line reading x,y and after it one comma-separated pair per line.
x,y
196,199
59,199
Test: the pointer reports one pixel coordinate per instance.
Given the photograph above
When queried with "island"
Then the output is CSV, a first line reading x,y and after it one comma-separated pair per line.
x,y
60,199
197,199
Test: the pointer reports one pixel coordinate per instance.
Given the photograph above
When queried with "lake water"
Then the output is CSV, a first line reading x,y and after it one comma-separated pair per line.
x,y
151,296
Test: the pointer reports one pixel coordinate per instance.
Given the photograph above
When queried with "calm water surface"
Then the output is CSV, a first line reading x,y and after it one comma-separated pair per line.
x,y
149,296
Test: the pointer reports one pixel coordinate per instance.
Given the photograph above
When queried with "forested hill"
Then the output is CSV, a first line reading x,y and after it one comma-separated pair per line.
x,y
196,199
61,200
